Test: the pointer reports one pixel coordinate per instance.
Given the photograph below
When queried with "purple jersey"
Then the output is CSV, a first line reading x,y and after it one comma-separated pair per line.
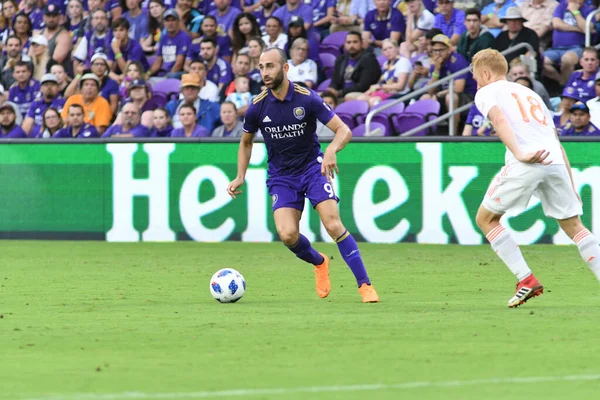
x,y
285,15
288,127
132,52
85,132
137,131
476,119
109,88
583,87
166,132
590,130
220,72
39,106
455,63
568,39
24,97
138,25
172,47
261,18
37,18
381,28
15,133
225,21
199,131
223,41
97,44
456,25
320,8
110,5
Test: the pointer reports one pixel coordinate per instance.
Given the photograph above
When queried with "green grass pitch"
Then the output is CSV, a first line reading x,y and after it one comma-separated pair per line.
x,y
99,321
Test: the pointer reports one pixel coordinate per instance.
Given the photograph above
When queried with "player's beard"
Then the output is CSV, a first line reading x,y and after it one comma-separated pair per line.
x,y
277,81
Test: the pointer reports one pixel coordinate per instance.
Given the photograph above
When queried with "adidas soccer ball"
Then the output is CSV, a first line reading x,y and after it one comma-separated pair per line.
x,y
227,285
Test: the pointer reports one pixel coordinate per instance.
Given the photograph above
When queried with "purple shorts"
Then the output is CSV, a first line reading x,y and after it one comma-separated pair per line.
x,y
290,191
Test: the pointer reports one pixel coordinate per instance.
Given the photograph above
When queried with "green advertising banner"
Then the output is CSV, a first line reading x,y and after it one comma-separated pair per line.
x,y
390,192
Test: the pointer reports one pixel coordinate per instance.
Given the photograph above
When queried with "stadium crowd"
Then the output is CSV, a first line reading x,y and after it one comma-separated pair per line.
x,y
184,68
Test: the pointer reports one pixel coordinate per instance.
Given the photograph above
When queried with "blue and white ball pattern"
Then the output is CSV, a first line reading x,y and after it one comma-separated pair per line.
x,y
227,285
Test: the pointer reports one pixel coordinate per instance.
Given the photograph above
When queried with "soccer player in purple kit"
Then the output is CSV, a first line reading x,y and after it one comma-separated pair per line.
x,y
287,114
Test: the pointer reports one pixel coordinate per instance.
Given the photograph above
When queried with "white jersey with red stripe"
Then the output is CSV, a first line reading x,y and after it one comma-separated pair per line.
x,y
528,116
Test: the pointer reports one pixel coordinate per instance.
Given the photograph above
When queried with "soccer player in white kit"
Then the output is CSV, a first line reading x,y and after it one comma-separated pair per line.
x,y
536,164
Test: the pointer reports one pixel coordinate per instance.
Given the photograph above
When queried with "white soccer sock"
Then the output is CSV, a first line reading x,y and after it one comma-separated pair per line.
x,y
589,249
508,250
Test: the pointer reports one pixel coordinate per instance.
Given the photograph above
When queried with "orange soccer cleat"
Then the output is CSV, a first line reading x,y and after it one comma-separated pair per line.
x,y
526,289
368,293
322,281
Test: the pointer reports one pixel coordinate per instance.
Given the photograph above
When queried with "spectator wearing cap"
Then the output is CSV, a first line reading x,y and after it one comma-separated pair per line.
x,y
446,62
172,48
124,49
25,89
580,122
262,15
39,55
8,59
476,37
109,89
57,37
191,18
208,90
539,17
232,126
137,18
130,125
189,125
76,127
519,69
96,109
355,71
568,37
139,93
382,23
562,117
9,129
95,41
583,80
207,112
274,35
594,104
50,98
218,70
492,14
302,69
418,21
295,8
225,15
36,16
450,21
515,34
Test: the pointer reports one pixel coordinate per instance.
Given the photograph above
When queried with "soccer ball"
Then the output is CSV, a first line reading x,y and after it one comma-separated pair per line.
x,y
227,285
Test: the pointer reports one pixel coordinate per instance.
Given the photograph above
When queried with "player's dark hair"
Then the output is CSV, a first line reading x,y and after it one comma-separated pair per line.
x,y
282,57
231,104
473,11
209,40
432,32
188,105
120,23
353,33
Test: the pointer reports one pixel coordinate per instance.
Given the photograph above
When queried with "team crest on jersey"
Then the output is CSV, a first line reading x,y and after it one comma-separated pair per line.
x,y
274,198
299,112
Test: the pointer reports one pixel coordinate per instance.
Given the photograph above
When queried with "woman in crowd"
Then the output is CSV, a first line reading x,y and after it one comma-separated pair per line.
x,y
255,48
75,19
23,29
51,123
302,69
133,70
232,126
394,77
187,116
275,36
161,122
9,9
39,56
245,27
156,9
58,70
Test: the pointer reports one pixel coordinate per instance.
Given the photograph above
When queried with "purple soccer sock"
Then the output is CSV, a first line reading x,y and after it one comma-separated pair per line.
x,y
306,252
351,255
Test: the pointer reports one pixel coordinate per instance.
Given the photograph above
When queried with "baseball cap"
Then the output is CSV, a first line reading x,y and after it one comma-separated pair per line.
x,y
580,106
7,104
443,39
190,80
296,21
137,83
48,78
89,76
101,56
513,13
171,12
40,40
51,9
570,92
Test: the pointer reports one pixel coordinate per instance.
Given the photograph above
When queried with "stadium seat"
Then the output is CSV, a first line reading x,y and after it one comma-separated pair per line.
x,y
328,61
387,116
335,40
417,114
382,59
350,110
377,129
323,86
167,87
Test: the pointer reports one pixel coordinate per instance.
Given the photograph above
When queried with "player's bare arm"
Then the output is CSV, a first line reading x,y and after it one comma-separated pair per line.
x,y
342,136
505,133
244,153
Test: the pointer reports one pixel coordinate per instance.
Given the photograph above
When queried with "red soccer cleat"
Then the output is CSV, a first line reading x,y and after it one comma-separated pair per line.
x,y
526,289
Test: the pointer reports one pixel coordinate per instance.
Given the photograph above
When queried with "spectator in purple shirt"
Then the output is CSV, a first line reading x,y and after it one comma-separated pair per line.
x,y
130,126
96,41
161,122
266,10
225,15
295,8
25,90
568,38
383,23
323,14
190,128
8,125
582,81
35,14
138,20
50,98
123,48
76,128
580,122
450,21
156,9
51,124
218,70
172,48
209,30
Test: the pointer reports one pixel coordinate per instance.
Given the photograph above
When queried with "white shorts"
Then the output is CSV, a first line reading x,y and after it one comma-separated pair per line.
x,y
512,188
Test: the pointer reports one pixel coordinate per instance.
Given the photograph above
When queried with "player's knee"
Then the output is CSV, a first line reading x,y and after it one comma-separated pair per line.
x,y
572,226
334,227
289,236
